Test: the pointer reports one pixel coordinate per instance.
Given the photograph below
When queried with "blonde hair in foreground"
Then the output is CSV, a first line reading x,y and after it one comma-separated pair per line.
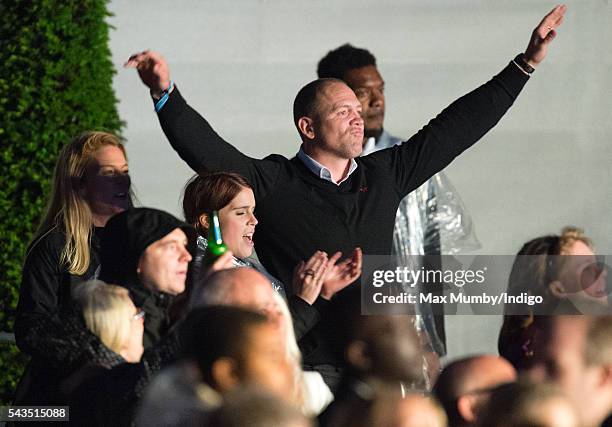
x,y
67,209
107,311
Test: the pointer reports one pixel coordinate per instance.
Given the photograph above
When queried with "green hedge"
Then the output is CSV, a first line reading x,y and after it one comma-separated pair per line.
x,y
55,82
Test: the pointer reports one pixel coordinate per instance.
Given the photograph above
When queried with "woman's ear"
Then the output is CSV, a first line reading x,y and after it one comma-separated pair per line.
x,y
557,290
203,221
224,373
305,125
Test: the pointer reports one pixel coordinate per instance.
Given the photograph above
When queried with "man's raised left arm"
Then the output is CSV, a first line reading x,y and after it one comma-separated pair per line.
x,y
466,120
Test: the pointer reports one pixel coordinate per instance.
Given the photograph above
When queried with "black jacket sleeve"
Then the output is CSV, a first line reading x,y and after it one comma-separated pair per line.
x,y
304,315
41,283
197,143
455,129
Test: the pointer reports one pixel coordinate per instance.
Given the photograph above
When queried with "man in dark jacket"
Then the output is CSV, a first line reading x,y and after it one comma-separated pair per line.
x,y
148,252
327,197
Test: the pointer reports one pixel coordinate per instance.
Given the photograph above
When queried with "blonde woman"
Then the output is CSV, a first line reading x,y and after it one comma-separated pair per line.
x,y
110,314
90,184
96,362
97,391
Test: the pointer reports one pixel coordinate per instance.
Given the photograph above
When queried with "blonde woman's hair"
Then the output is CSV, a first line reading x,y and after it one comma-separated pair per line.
x,y
569,236
107,311
67,209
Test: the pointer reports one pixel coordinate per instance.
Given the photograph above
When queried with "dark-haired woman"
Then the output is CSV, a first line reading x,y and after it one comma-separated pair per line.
x,y
315,281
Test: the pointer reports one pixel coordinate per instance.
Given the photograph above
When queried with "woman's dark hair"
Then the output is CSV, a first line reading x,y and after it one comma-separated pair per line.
x,y
211,192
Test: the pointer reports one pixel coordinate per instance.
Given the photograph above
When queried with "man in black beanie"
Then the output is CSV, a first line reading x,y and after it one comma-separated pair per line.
x,y
148,252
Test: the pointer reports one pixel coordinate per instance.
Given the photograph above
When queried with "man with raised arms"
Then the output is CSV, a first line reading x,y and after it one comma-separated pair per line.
x,y
327,197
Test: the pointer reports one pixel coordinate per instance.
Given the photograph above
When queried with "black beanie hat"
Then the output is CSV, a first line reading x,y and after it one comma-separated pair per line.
x,y
128,234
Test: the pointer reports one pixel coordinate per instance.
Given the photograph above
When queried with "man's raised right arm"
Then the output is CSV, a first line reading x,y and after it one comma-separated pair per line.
x,y
195,141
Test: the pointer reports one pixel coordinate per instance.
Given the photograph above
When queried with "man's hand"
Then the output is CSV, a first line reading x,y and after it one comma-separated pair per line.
x,y
543,35
152,69
308,276
340,275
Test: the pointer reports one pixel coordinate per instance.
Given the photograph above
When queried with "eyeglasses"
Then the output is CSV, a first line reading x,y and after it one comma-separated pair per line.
x,y
140,314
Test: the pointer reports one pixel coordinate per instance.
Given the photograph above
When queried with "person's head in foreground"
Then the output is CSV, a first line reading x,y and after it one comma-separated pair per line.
x,y
255,407
233,347
382,349
238,287
388,409
464,386
524,404
247,288
110,314
575,353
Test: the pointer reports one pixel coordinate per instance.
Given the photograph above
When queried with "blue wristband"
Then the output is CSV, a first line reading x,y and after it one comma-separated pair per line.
x,y
165,95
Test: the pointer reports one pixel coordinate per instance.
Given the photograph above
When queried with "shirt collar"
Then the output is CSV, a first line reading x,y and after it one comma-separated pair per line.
x,y
384,140
369,146
321,171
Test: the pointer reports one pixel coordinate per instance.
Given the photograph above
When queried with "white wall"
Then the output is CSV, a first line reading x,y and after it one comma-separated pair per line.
x,y
240,63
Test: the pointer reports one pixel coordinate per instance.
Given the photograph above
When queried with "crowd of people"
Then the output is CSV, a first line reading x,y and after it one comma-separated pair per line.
x,y
129,320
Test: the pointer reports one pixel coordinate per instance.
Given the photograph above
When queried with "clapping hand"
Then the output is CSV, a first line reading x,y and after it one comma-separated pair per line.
x,y
342,274
308,276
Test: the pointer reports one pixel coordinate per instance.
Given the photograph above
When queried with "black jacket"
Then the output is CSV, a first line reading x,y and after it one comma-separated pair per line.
x,y
46,285
81,372
64,345
127,235
99,396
